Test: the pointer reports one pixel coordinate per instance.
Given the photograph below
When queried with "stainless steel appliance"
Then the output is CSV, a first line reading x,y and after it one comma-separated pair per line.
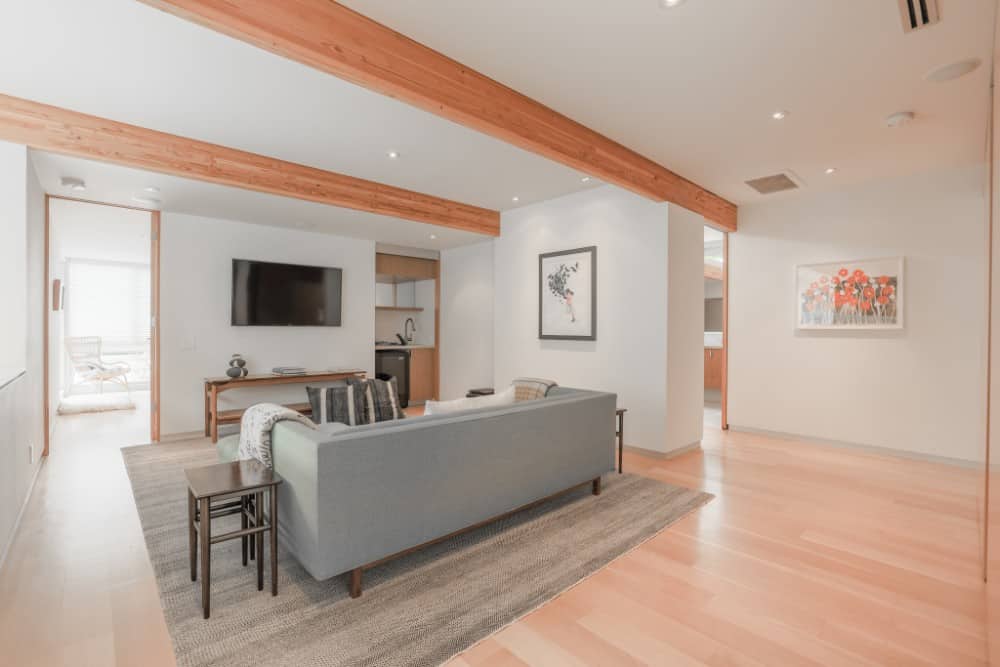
x,y
397,364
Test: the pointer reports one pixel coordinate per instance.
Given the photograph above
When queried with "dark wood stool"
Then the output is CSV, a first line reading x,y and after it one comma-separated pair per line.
x,y
620,432
235,488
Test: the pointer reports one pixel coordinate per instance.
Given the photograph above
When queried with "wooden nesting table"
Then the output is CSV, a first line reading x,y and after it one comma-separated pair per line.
x,y
216,385
235,488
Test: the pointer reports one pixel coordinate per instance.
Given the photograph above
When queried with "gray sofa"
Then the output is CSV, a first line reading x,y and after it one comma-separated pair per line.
x,y
357,495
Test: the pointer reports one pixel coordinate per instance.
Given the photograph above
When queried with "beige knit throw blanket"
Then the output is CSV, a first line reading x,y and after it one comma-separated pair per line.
x,y
255,430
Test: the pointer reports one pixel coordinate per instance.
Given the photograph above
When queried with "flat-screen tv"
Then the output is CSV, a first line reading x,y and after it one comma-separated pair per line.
x,y
269,294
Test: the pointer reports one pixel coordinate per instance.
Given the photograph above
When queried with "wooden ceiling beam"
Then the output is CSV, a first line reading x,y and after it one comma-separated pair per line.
x,y
335,39
67,132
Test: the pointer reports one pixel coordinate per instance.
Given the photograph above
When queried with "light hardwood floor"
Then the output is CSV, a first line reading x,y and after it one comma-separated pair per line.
x,y
808,555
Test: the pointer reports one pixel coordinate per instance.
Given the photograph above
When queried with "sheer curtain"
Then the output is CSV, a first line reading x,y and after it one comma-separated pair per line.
x,y
112,300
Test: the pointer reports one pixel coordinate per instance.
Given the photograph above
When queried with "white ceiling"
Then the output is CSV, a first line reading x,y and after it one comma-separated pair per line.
x,y
693,87
118,185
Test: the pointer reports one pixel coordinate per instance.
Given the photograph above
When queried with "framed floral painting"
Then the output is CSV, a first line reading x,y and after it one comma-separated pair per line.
x,y
861,294
567,294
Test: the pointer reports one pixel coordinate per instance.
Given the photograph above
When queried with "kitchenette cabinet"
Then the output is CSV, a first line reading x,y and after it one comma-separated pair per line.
x,y
714,362
421,375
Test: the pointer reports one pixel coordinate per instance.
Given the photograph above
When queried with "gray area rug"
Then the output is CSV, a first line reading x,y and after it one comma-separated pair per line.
x,y
417,610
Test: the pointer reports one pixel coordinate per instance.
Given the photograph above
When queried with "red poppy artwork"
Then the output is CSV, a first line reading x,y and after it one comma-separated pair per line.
x,y
858,294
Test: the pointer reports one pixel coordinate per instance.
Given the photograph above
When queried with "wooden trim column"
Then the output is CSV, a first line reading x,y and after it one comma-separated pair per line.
x,y
154,343
725,332
437,330
46,314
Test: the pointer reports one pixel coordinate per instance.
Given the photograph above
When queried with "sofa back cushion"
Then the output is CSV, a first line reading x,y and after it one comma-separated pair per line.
x,y
462,404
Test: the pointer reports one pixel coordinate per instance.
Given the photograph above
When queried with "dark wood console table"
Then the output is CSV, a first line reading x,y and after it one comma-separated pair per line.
x,y
215,386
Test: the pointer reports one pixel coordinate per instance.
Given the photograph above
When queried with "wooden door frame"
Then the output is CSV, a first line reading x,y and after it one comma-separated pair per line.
x,y
725,331
154,343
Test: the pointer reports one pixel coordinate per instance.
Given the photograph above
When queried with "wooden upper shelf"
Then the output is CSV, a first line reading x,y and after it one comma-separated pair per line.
x,y
394,268
330,37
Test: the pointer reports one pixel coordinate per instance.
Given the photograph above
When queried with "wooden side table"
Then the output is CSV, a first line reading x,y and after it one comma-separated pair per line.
x,y
242,485
620,432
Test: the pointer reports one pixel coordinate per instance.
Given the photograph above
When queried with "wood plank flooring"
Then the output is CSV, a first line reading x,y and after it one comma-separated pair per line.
x,y
809,555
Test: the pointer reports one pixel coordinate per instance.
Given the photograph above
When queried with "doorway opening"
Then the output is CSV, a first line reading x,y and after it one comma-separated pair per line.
x,y
716,326
101,287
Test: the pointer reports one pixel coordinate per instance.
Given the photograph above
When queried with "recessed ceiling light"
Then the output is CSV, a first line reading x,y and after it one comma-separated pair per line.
x,y
585,179
670,4
147,201
830,170
151,189
433,236
779,115
952,71
392,155
515,199
73,183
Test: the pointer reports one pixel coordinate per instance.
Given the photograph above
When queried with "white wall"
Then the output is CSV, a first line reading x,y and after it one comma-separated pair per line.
x,y
197,339
466,319
21,431
629,356
78,230
685,367
388,323
13,269
919,390
91,231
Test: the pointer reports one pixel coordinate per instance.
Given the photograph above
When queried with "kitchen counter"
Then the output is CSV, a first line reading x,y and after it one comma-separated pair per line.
x,y
414,346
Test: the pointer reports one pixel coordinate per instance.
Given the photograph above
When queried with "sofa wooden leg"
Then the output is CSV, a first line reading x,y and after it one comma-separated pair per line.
x,y
356,582
596,486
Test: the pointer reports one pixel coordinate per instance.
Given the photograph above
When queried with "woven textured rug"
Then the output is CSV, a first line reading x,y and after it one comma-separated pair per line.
x,y
420,609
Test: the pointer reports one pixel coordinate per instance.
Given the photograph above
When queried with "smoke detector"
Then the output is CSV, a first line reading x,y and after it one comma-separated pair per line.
x,y
899,119
73,183
953,71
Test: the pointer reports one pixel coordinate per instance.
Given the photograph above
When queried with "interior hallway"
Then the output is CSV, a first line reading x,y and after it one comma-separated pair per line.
x,y
808,555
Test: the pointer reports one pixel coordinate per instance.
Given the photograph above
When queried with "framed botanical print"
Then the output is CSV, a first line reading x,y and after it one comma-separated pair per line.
x,y
858,294
567,294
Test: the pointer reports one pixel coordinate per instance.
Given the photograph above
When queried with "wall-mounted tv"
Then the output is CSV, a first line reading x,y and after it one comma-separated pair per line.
x,y
270,294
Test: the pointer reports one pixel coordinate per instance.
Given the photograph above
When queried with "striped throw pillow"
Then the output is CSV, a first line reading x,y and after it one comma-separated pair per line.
x,y
380,397
341,403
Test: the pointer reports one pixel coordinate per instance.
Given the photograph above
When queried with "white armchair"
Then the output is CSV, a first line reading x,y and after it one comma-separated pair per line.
x,y
88,366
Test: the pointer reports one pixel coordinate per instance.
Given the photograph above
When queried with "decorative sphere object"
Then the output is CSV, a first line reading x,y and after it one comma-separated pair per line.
x,y
237,366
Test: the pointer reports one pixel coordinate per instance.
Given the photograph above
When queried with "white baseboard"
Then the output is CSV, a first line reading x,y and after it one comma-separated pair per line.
x,y
871,449
20,513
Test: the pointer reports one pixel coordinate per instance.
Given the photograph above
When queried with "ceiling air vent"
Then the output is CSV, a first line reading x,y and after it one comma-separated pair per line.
x,y
918,14
767,185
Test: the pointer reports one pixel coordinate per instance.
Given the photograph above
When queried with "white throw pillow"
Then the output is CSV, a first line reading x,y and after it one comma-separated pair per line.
x,y
462,404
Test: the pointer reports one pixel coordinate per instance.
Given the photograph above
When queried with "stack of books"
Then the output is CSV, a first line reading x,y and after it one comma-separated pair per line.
x,y
288,370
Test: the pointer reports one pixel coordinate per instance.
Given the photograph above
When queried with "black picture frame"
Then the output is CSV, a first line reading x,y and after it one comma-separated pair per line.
x,y
593,293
